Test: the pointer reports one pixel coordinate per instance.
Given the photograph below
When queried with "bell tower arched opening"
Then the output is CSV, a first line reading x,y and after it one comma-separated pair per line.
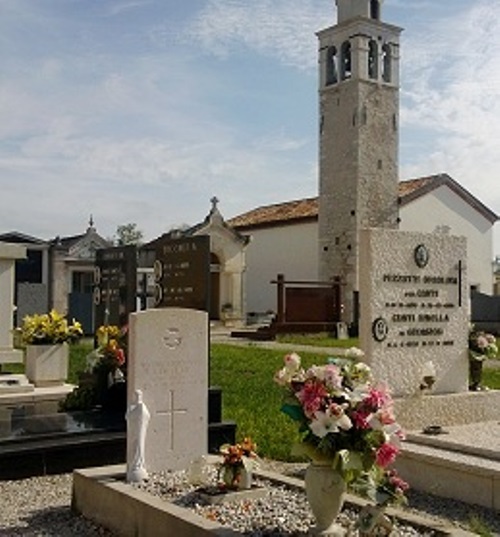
x,y
375,9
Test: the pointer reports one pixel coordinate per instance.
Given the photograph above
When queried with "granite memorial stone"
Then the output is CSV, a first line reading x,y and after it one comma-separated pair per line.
x,y
414,309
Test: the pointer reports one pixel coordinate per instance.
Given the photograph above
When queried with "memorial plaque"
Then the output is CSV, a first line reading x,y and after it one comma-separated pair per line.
x,y
182,273
115,285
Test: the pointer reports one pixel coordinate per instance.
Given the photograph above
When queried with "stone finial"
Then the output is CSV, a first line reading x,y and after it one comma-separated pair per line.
x,y
91,224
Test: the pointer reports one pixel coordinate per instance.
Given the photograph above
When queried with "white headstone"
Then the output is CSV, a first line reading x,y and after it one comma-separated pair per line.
x,y
414,309
168,362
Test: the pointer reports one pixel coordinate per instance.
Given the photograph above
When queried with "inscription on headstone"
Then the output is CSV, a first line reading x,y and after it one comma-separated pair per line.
x,y
412,308
115,285
182,273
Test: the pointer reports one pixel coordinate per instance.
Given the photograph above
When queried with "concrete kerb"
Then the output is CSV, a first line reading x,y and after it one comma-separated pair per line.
x,y
102,495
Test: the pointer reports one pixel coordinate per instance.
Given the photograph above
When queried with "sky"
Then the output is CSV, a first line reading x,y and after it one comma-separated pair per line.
x,y
140,111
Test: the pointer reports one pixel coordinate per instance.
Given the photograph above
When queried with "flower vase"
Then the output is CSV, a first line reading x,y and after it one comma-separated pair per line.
x,y
236,477
47,365
475,373
373,521
325,490
245,481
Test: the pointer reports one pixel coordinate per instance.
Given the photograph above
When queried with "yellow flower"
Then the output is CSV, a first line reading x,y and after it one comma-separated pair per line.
x,y
49,328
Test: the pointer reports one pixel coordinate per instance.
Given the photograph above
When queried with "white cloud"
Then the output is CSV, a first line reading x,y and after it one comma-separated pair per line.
x,y
451,88
276,28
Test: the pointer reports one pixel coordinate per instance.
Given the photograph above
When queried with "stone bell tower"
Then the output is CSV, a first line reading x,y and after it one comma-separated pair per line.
x,y
358,138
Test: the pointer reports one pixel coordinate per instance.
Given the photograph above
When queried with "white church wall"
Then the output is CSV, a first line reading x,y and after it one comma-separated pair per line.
x,y
291,250
442,209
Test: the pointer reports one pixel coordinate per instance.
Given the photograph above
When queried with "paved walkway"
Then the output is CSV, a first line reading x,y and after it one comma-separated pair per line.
x,y
223,335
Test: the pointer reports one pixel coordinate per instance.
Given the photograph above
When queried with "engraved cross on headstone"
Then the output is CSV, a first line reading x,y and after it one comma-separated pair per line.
x,y
170,413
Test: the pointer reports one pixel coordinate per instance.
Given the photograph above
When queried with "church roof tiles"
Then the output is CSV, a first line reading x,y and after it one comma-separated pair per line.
x,y
292,212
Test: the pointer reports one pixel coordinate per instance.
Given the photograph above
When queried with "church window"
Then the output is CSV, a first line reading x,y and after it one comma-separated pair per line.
x,y
331,66
386,61
375,9
373,59
345,59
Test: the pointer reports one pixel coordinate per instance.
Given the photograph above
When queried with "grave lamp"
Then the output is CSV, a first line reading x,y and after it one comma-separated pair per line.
x,y
428,376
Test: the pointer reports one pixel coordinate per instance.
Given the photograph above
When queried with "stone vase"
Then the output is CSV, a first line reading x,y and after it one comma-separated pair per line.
x,y
373,520
47,365
325,491
236,478
475,373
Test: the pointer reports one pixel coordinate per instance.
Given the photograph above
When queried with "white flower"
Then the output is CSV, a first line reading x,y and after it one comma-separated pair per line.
x,y
330,421
283,376
292,361
354,352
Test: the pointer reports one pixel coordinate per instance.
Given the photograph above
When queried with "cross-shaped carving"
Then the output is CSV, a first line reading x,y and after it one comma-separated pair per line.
x,y
214,202
170,413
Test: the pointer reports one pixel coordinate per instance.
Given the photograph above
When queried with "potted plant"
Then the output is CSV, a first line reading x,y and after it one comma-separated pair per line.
x,y
103,383
46,338
481,347
347,429
235,471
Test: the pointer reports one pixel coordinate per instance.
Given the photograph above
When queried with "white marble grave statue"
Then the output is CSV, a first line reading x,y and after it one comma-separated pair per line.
x,y
168,362
137,417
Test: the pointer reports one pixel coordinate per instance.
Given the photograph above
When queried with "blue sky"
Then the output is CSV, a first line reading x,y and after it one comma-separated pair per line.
x,y
142,110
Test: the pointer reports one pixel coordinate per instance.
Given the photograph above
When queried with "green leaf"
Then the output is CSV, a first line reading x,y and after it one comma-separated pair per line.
x,y
293,411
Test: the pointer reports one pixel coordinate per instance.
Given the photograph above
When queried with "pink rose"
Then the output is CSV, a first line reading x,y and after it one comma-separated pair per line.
x,y
386,454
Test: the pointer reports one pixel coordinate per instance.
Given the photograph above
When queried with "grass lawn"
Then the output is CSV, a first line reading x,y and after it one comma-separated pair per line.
x,y
252,399
491,378
321,339
250,396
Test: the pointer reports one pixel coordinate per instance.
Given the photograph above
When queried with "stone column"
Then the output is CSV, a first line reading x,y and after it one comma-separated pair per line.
x,y
8,255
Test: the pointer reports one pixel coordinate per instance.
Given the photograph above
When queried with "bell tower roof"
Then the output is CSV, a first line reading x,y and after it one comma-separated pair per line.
x,y
350,9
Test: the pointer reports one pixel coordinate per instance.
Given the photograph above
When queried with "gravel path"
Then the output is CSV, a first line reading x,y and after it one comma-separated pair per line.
x,y
40,507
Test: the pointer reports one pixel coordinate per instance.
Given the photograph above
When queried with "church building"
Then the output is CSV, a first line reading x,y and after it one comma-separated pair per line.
x,y
317,238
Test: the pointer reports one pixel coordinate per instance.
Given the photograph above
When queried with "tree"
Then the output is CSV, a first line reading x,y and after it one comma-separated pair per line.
x,y
128,234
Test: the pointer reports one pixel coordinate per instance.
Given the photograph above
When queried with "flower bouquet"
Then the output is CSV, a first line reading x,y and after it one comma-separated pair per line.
x,y
481,347
104,380
48,329
235,471
345,420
